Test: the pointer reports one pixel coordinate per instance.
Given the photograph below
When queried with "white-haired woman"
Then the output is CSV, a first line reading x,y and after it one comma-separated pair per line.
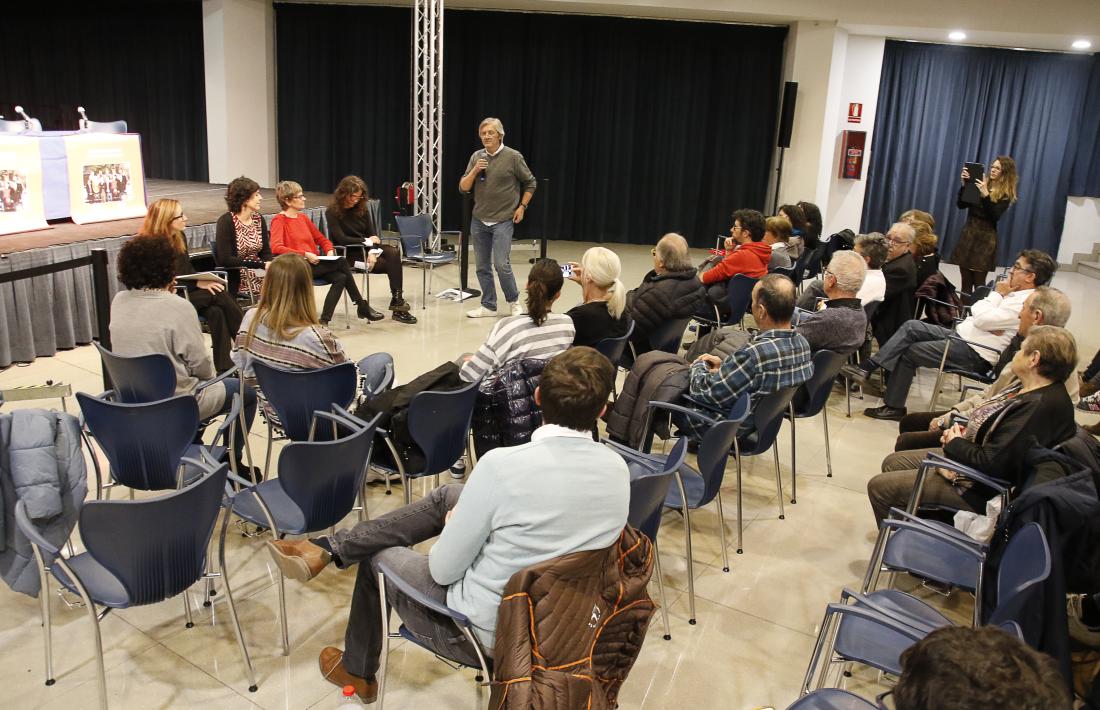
x,y
603,313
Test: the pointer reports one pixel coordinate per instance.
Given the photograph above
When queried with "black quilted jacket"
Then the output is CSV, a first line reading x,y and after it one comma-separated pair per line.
x,y
505,413
660,298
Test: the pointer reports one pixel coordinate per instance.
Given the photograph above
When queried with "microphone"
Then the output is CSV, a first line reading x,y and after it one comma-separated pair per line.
x,y
485,157
83,117
26,118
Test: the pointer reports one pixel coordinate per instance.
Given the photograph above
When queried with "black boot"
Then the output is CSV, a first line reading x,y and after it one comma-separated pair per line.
x,y
398,303
363,310
404,317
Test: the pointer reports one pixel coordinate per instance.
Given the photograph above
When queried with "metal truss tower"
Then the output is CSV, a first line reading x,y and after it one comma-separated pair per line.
x,y
427,109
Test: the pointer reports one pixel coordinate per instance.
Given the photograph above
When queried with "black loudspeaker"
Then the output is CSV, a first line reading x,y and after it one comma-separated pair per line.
x,y
786,118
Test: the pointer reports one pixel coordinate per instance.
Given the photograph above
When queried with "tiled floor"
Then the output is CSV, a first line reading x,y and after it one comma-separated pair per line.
x,y
756,623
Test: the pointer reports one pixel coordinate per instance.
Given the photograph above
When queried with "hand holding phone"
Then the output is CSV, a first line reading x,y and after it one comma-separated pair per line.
x,y
567,271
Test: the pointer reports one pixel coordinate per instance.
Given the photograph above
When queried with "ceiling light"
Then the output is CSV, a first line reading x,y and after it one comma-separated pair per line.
x,y
1081,44
957,36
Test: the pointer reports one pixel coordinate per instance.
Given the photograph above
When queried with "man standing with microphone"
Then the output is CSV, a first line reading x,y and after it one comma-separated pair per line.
x,y
503,187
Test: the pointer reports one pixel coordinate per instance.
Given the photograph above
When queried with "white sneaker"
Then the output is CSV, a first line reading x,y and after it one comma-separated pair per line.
x,y
480,312
517,310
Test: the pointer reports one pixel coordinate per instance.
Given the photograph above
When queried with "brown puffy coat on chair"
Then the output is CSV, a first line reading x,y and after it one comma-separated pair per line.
x,y
570,629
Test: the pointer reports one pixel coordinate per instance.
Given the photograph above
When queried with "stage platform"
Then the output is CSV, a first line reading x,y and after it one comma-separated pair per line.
x,y
202,202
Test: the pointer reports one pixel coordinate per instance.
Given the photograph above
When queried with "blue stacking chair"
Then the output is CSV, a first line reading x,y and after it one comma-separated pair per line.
x,y
808,401
439,423
667,338
985,377
483,663
137,553
316,488
296,394
833,699
650,481
612,348
787,271
933,461
874,629
738,300
416,232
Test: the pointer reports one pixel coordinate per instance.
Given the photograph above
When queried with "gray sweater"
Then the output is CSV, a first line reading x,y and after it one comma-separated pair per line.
x,y
506,179
147,322
841,326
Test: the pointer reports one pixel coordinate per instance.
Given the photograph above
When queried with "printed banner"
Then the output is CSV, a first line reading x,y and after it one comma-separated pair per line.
x,y
21,205
106,178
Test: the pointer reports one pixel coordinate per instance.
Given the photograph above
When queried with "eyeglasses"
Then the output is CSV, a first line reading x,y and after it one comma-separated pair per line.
x,y
894,240
179,216
299,196
1017,267
826,272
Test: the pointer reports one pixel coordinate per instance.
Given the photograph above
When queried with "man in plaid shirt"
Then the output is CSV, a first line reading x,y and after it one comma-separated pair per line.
x,y
775,358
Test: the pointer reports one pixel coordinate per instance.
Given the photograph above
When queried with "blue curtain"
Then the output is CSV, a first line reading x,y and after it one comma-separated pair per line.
x,y
1085,180
940,106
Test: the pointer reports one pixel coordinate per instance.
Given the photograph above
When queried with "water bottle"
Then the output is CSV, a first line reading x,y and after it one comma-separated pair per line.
x,y
349,700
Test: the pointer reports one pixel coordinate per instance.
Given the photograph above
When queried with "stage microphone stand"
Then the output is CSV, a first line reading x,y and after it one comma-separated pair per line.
x,y
464,246
543,193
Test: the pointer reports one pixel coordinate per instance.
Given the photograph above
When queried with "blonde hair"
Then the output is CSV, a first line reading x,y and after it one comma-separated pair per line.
x,y
286,299
1005,186
924,240
285,190
602,267
158,223
780,227
916,215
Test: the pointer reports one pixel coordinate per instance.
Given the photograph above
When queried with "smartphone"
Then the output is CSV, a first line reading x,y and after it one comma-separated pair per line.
x,y
567,271
376,252
956,418
976,170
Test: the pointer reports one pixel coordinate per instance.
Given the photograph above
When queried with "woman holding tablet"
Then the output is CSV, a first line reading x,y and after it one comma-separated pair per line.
x,y
976,252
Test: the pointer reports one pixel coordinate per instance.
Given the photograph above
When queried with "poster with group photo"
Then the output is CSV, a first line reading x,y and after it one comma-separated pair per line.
x,y
106,179
21,204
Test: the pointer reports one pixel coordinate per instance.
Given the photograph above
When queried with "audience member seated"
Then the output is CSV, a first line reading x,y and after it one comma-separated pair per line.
x,y
603,313
914,215
776,357
812,237
535,334
925,254
900,272
839,323
920,432
210,298
746,253
350,224
283,330
959,668
241,238
998,434
561,493
797,218
873,248
149,318
992,323
668,292
777,235
294,233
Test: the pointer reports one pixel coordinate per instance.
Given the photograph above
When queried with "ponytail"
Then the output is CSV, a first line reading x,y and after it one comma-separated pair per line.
x,y
616,299
602,267
543,285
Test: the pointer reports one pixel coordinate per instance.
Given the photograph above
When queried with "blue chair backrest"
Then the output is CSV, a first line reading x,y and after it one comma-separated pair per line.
x,y
739,296
139,378
814,392
323,477
143,441
1025,565
832,699
768,418
156,547
714,450
667,338
648,491
813,264
439,423
376,374
106,126
297,394
612,348
787,271
414,231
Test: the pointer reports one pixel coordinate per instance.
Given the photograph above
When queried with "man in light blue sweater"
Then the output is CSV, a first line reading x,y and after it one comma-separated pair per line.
x,y
558,494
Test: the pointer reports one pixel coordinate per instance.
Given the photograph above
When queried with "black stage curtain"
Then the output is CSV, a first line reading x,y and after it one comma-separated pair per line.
x,y
137,61
639,126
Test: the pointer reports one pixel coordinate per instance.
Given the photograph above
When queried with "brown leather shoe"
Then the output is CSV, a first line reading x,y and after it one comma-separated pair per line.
x,y
331,662
299,559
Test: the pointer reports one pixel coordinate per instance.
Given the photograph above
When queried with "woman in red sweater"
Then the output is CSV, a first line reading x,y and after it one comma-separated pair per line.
x,y
294,233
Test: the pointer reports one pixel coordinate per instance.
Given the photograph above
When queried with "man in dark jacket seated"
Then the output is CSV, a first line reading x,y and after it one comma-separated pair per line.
x,y
670,291
561,493
900,272
997,434
839,323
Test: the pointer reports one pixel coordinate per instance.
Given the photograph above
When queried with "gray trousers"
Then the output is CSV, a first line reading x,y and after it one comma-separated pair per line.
x,y
920,344
893,487
387,539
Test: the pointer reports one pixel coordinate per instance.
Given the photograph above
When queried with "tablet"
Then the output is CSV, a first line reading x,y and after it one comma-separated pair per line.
x,y
976,170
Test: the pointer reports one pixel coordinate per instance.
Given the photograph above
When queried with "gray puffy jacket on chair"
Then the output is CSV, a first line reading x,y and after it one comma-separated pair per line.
x,y
42,464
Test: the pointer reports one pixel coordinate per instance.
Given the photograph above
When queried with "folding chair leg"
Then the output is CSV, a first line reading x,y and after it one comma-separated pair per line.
x,y
252,687
347,316
848,395
661,591
47,620
423,289
722,535
382,662
687,548
90,606
828,452
270,446
778,480
815,657
794,461
874,566
190,623
740,512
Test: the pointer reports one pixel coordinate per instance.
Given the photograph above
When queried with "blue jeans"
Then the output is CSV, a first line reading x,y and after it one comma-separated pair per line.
x,y
493,248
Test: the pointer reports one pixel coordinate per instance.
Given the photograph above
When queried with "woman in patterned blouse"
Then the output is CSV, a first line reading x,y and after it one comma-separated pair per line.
x,y
241,240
